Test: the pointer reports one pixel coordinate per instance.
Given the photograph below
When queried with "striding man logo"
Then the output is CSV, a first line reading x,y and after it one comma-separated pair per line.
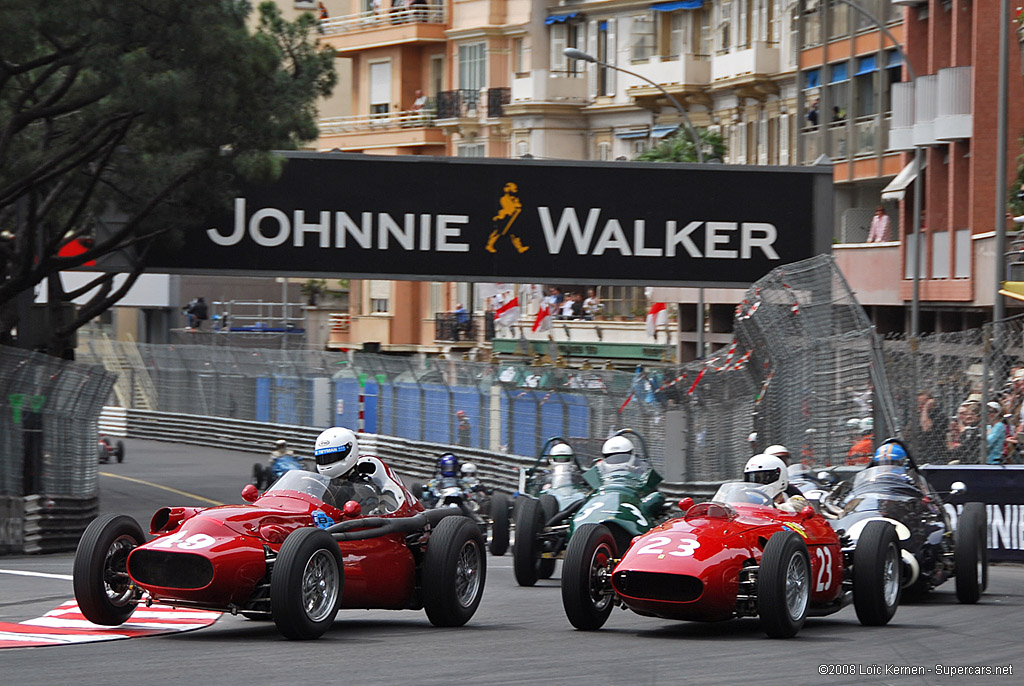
x,y
511,207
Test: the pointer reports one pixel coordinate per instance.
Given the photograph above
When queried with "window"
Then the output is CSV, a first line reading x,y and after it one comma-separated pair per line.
x,y
623,300
519,56
893,74
559,42
673,34
864,87
380,87
471,150
604,151
643,37
436,75
741,12
838,88
724,31
472,66
606,54
380,293
840,14
522,148
577,39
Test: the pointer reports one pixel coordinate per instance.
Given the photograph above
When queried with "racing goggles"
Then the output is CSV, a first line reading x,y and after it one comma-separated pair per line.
x,y
331,455
763,476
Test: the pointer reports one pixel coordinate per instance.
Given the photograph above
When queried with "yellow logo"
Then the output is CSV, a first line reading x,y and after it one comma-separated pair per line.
x,y
795,527
511,207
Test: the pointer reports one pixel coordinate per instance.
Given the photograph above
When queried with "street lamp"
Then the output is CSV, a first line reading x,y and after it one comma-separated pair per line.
x,y
574,54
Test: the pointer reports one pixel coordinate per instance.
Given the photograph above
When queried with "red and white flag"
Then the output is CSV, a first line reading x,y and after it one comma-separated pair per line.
x,y
508,314
543,320
658,316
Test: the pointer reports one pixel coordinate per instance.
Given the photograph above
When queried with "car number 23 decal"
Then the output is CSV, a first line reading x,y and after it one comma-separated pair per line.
x,y
655,546
824,580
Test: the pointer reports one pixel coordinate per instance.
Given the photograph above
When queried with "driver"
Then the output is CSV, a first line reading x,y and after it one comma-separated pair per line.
x,y
770,472
617,455
563,467
280,450
782,452
336,452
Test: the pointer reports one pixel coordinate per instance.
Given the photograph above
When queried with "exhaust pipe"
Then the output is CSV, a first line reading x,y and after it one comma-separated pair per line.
x,y
911,569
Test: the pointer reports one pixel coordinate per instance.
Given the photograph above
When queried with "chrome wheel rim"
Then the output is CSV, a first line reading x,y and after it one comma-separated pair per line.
x,y
598,573
467,574
320,585
116,583
797,588
891,576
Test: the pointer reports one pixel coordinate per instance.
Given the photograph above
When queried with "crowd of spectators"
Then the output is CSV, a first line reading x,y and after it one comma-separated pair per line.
x,y
572,305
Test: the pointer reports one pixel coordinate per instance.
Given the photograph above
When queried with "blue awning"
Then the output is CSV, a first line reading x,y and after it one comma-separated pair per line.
x,y
894,59
678,5
632,134
812,78
561,18
662,131
839,72
866,65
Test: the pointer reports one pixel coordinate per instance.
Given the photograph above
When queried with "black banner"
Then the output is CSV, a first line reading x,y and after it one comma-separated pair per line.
x,y
1001,488
515,220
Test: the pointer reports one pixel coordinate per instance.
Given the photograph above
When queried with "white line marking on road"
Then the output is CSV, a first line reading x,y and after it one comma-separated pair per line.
x,y
18,572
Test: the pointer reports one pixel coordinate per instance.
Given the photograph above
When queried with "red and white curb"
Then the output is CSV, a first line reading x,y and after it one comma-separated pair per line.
x,y
66,625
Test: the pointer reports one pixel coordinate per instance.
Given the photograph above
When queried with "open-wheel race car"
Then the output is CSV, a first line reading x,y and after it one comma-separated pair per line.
x,y
624,499
892,489
455,484
108,451
736,556
296,554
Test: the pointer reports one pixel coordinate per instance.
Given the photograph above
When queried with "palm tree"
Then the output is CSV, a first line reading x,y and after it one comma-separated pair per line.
x,y
678,147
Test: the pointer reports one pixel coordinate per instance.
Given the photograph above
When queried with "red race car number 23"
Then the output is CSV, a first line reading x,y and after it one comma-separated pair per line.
x,y
654,546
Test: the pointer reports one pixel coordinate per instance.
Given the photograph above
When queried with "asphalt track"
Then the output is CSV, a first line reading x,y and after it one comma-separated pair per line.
x,y
518,636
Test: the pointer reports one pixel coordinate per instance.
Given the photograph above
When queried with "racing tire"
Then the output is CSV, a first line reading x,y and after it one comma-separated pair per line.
x,y
586,567
119,451
545,568
454,572
103,589
549,504
971,553
784,585
876,574
525,550
499,524
306,584
259,475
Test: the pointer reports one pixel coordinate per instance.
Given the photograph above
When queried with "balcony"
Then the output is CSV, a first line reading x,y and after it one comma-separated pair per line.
x,y
392,130
686,77
466,110
448,328
953,118
901,133
751,67
542,86
926,91
417,24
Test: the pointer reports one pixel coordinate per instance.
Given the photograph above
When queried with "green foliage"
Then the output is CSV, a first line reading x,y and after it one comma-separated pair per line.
x,y
678,147
156,109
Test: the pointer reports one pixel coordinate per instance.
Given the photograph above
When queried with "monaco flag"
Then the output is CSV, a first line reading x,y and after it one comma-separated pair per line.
x,y
543,320
508,314
658,316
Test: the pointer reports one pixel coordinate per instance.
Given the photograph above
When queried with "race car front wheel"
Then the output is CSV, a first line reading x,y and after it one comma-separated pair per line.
x,y
971,553
454,572
586,592
499,524
784,585
876,574
306,584
525,552
102,586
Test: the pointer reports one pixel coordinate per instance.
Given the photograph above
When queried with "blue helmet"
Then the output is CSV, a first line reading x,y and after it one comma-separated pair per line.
x,y
448,464
889,454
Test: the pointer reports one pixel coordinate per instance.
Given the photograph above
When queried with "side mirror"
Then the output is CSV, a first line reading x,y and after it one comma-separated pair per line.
x,y
807,512
685,504
352,509
250,493
958,487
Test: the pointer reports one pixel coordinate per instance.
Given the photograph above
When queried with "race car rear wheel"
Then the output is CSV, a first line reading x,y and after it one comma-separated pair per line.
x,y
306,584
784,585
499,524
119,451
586,593
549,504
454,572
545,568
971,553
102,586
525,551
876,574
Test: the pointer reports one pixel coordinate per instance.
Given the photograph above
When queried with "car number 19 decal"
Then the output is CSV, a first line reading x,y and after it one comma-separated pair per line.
x,y
686,547
194,542
824,582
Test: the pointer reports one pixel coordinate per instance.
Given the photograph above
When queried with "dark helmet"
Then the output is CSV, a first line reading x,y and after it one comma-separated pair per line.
x,y
448,465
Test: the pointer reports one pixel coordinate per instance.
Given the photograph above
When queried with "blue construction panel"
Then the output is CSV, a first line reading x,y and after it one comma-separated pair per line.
x,y
408,412
346,398
371,395
286,400
525,429
579,416
437,400
263,400
552,417
385,410
470,400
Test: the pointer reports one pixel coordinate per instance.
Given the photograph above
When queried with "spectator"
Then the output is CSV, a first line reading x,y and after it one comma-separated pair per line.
x,y
838,113
567,309
577,306
461,321
420,102
964,435
200,312
592,305
927,429
879,232
812,115
862,451
995,434
323,11
554,299
464,429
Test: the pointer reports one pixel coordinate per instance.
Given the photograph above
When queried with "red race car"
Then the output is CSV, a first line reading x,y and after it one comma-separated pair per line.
x,y
737,556
305,548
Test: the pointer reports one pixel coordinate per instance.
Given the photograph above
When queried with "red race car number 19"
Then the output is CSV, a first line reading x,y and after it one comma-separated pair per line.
x,y
178,540
654,546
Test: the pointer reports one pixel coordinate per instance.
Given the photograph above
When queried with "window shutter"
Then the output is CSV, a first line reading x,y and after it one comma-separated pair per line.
x,y
558,44
591,41
762,141
613,56
380,83
783,139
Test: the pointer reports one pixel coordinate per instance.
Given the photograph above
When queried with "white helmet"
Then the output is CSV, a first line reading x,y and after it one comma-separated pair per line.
x,y
281,444
779,451
336,451
767,471
618,453
867,425
561,453
853,425
468,469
